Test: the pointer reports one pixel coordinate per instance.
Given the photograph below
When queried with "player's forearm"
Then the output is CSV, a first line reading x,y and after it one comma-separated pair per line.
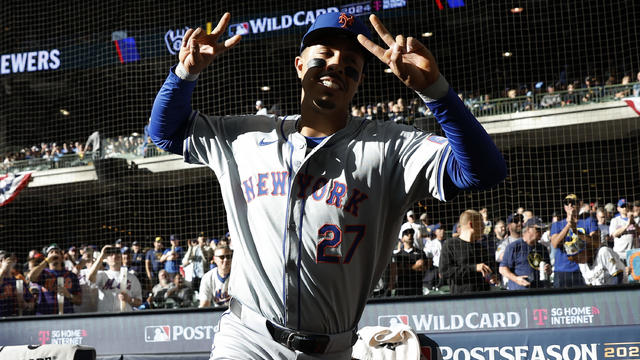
x,y
170,113
476,162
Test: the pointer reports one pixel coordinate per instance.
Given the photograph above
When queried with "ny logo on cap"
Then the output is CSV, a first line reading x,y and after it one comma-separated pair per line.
x,y
345,20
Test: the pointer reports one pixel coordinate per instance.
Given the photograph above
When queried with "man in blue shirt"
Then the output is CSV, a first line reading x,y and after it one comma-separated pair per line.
x,y
566,272
172,257
521,261
152,262
137,259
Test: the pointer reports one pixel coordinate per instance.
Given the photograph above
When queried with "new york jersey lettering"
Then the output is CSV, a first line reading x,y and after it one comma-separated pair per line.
x,y
332,192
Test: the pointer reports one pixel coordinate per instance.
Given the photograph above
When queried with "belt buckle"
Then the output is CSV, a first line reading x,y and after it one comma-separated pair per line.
x,y
290,340
307,343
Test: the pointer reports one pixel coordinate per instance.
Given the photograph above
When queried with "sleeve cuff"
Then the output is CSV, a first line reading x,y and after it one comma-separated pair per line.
x,y
183,74
435,91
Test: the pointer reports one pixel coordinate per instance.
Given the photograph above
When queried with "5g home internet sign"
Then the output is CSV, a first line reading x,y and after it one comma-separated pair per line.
x,y
31,61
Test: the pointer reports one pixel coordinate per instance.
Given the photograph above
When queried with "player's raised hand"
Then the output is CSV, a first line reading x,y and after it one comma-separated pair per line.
x,y
199,49
408,58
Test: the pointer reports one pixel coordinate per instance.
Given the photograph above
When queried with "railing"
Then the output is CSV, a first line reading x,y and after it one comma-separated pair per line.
x,y
543,100
73,160
537,101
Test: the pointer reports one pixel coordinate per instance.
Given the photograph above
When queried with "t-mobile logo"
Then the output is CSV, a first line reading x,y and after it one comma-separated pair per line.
x,y
44,336
540,315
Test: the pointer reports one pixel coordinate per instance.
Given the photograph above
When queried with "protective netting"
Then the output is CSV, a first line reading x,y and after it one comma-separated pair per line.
x,y
548,79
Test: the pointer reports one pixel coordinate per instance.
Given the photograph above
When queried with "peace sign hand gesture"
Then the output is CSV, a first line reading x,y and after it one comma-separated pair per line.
x,y
408,58
199,49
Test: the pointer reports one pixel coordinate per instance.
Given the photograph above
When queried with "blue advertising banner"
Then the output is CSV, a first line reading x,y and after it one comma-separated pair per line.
x,y
602,342
596,324
553,310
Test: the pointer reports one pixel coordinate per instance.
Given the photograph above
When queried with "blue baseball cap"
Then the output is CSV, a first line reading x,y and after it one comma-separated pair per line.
x,y
622,202
534,222
333,24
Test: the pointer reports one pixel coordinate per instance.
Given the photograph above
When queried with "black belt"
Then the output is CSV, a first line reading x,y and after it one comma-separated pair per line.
x,y
290,338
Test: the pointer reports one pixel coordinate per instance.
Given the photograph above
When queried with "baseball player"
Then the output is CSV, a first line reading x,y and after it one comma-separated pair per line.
x,y
315,200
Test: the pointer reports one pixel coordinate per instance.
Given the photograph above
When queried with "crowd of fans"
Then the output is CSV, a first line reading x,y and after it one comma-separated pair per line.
x,y
53,155
119,277
523,98
585,245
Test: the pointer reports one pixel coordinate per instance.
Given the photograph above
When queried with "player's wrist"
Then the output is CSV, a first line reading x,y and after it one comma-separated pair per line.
x,y
183,74
435,91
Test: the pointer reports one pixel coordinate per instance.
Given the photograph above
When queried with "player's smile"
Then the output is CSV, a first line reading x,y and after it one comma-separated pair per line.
x,y
332,82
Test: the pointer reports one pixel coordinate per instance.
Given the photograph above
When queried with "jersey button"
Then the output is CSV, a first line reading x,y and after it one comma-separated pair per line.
x,y
296,163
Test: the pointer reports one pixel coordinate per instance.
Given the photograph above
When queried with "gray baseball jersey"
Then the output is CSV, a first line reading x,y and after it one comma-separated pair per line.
x,y
313,229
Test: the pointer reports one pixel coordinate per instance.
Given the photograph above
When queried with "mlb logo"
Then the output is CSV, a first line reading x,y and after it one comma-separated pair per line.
x,y
239,29
157,333
389,320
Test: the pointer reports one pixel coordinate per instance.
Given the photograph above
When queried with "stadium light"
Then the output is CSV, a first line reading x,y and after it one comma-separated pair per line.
x,y
516,10
388,70
64,112
427,34
507,54
265,88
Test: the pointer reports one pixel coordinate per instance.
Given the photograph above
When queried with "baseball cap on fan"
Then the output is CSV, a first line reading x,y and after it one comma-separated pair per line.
x,y
51,247
534,223
336,24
